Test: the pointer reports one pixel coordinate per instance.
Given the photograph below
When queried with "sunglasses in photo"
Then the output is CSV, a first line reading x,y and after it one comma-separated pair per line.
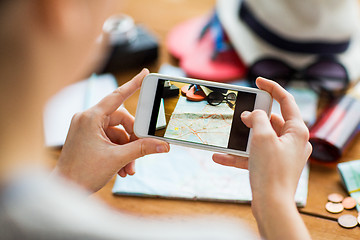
x,y
216,98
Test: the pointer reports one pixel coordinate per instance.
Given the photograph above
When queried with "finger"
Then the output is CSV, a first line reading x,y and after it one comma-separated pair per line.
x,y
123,117
277,122
139,148
262,130
294,125
111,102
122,173
309,149
130,168
289,109
231,160
117,135
258,120
133,137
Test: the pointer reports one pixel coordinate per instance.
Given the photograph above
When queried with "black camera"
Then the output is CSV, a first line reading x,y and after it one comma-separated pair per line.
x,y
130,45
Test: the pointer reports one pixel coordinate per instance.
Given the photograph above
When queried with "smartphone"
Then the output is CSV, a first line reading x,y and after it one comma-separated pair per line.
x,y
197,113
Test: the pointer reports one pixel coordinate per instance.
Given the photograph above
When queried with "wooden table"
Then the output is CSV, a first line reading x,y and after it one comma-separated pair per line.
x,y
160,16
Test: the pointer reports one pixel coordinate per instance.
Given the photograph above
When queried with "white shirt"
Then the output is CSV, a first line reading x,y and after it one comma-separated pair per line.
x,y
37,206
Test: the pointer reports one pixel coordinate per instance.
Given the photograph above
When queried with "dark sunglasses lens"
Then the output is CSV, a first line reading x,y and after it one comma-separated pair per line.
x,y
231,97
272,69
330,69
329,76
215,98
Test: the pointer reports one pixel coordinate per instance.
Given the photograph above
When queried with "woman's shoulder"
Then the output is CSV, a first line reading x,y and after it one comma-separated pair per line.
x,y
36,204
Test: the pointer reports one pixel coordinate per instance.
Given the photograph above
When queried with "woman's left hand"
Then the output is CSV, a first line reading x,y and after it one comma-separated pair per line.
x,y
95,149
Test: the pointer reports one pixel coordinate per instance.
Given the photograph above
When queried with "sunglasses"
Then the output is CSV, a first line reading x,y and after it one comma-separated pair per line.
x,y
215,98
326,75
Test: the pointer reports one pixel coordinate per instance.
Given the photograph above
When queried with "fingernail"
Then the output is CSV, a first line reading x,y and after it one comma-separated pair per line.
x,y
266,79
245,113
161,148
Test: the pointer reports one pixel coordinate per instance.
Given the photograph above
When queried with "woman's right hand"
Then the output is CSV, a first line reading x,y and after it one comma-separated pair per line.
x,y
279,149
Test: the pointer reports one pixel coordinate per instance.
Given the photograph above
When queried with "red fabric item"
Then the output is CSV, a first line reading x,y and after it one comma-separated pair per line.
x,y
195,55
198,96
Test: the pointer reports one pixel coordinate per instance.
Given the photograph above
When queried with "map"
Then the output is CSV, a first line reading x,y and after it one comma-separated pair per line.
x,y
189,173
200,122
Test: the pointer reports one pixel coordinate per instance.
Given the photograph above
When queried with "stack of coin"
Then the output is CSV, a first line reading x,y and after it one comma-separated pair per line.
x,y
337,203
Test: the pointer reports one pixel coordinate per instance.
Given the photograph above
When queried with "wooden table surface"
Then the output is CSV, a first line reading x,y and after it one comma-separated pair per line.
x,y
160,16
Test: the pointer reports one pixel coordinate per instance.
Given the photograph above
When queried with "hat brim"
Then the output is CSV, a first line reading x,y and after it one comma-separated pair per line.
x,y
252,48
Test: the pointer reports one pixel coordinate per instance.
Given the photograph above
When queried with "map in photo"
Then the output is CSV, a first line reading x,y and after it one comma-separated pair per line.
x,y
199,122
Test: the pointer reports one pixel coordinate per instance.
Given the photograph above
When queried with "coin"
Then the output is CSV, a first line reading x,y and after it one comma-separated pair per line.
x,y
347,221
334,207
349,203
335,197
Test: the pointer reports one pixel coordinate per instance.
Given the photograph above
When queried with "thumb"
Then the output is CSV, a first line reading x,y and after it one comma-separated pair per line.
x,y
139,148
258,121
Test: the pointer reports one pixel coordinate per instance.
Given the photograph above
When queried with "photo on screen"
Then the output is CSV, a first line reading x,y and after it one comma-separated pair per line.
x,y
201,114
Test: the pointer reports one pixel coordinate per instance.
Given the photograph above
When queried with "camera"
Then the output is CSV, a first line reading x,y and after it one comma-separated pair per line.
x,y
130,45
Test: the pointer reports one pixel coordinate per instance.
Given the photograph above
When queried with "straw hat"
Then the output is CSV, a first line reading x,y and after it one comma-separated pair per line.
x,y
297,32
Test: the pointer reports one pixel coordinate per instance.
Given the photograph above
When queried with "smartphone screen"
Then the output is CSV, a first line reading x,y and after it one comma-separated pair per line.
x,y
201,114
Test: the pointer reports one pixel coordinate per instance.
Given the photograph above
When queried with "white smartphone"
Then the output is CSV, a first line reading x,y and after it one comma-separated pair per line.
x,y
200,114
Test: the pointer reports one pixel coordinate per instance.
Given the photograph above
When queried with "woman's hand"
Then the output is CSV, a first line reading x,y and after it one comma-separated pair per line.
x,y
279,149
96,149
